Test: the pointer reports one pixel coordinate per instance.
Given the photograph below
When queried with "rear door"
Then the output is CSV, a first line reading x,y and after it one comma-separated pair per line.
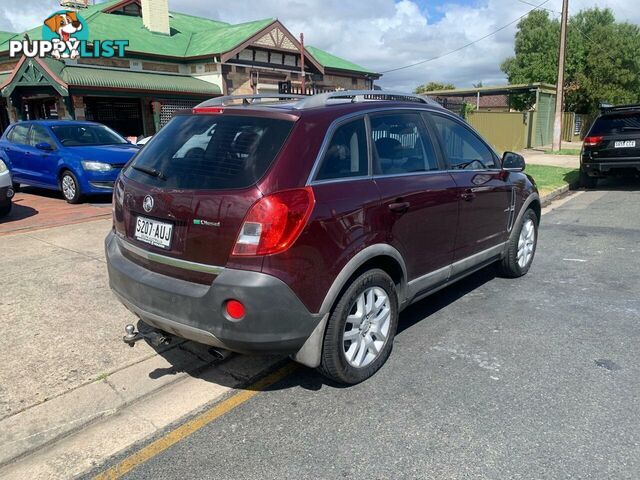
x,y
418,195
620,134
484,194
17,153
186,194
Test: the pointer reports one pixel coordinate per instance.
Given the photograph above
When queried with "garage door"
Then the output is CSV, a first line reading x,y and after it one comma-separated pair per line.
x,y
124,116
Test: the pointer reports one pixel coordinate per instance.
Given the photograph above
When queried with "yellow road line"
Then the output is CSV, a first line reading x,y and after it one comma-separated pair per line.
x,y
183,431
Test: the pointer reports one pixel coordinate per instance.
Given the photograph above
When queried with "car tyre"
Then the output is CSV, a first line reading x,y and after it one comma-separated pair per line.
x,y
70,187
586,181
521,247
361,328
16,187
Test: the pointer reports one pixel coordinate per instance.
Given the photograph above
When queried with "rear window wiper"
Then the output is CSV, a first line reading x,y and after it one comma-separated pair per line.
x,y
150,171
630,128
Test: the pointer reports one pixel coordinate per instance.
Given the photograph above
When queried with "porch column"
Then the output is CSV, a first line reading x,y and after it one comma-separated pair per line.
x,y
65,108
156,107
13,109
78,107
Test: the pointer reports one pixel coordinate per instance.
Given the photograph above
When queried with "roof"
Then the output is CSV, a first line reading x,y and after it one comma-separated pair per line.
x,y
85,77
328,60
493,90
190,36
4,36
95,77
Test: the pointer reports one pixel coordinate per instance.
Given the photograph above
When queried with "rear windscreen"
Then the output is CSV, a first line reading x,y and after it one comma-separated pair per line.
x,y
210,152
616,123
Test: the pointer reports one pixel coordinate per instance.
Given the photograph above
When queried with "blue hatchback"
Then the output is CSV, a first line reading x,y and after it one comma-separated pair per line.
x,y
77,158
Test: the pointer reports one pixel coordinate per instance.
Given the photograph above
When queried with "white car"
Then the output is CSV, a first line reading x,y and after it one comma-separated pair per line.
x,y
6,190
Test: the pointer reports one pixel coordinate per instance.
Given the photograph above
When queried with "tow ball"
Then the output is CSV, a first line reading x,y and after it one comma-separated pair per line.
x,y
156,339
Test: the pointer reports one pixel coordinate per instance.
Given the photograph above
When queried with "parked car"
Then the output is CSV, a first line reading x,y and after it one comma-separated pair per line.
x,y
305,227
612,146
77,158
6,190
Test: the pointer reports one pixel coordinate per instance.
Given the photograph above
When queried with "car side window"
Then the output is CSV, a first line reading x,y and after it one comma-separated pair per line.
x,y
346,156
401,144
39,134
463,148
19,135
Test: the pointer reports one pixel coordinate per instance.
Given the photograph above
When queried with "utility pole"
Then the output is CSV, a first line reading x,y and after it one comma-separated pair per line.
x,y
557,124
304,82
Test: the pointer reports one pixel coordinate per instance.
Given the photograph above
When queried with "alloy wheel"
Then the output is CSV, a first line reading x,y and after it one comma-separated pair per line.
x,y
526,243
367,327
68,187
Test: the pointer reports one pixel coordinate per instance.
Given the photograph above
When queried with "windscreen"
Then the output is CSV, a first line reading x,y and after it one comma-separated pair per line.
x,y
86,135
210,152
616,123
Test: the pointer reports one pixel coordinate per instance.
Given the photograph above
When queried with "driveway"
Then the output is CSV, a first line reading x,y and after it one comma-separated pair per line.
x,y
492,378
36,208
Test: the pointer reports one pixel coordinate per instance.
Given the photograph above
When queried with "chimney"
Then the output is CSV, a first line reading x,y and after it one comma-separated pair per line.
x,y
155,15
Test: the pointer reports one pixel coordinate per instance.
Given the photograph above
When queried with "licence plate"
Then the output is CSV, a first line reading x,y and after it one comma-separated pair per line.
x,y
625,144
153,232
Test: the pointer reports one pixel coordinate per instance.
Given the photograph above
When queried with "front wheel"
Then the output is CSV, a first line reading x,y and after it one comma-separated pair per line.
x,y
70,187
360,332
521,246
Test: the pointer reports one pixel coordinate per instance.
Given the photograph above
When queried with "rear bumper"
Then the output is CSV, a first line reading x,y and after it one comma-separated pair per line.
x,y
276,320
600,168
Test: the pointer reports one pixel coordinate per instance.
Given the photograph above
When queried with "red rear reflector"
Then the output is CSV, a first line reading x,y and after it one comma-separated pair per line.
x,y
208,110
235,309
274,222
592,141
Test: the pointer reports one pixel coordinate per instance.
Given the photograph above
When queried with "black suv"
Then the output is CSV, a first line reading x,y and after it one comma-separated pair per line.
x,y
612,145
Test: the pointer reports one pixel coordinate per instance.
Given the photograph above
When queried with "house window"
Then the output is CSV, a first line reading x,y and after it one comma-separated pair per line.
x,y
277,58
290,60
354,81
246,55
262,56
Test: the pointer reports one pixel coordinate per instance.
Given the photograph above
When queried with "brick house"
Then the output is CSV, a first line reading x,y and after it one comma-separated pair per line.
x,y
173,62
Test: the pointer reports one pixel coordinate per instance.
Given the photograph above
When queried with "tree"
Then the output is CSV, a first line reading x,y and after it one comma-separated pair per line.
x,y
478,85
602,61
433,86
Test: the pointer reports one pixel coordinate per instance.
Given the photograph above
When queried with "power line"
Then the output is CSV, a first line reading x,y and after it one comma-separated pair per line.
x,y
468,44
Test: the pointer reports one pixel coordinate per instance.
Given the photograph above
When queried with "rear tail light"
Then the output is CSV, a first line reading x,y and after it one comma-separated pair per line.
x,y
593,141
274,222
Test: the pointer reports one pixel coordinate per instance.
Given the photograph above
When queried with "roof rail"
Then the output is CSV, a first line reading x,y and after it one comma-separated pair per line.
x,y
249,99
606,107
355,96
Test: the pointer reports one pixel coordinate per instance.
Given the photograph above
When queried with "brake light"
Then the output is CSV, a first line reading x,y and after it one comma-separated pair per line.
x,y
274,222
208,110
593,141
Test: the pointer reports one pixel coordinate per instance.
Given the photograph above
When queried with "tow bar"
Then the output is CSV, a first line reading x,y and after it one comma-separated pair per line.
x,y
155,338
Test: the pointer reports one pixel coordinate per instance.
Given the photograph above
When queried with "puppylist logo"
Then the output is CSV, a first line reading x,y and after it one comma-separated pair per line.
x,y
65,34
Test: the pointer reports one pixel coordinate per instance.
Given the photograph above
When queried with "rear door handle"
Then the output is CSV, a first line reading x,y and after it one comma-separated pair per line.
x,y
468,195
399,207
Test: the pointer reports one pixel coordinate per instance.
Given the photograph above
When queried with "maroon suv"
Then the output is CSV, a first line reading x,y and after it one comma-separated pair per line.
x,y
305,225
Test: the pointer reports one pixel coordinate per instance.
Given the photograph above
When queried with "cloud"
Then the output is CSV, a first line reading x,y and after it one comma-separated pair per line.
x,y
378,34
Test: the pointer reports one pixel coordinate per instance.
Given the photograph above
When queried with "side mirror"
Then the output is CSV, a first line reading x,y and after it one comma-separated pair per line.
x,y
44,146
513,162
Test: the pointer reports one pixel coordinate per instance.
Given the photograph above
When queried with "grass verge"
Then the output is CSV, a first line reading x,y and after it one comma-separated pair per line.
x,y
550,178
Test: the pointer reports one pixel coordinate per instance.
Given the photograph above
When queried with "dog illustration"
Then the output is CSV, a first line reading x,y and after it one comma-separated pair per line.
x,y
65,25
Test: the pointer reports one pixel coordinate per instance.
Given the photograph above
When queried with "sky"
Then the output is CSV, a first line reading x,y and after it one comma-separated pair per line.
x,y
378,34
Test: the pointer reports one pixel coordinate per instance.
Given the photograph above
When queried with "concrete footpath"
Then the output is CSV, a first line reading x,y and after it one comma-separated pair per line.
x,y
72,393
63,365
